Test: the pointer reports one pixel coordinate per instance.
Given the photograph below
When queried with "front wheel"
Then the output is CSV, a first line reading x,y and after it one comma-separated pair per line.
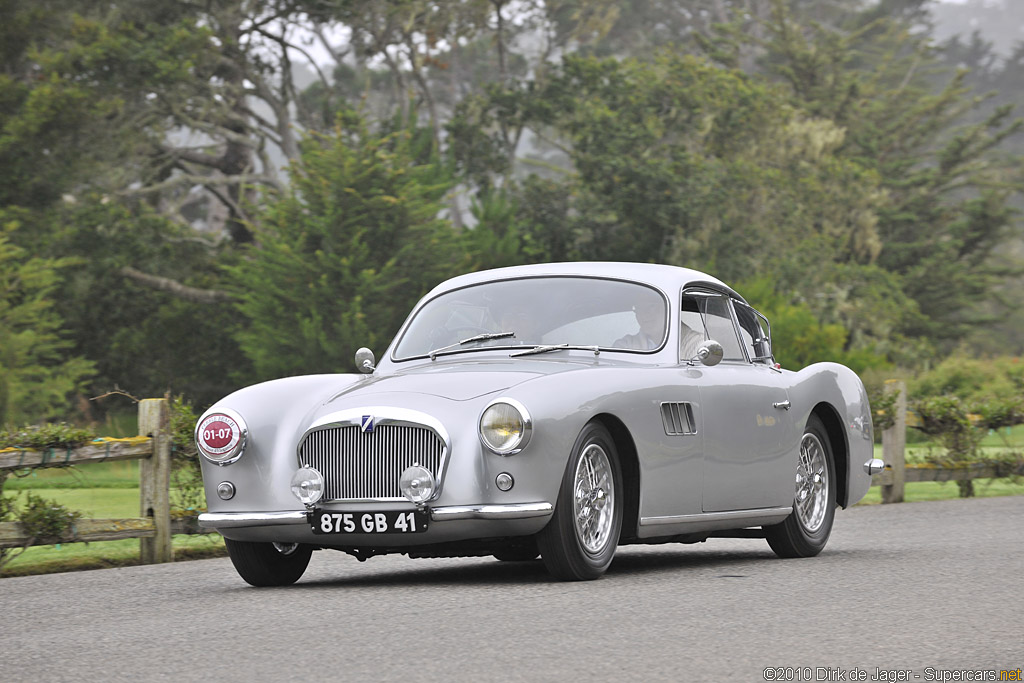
x,y
579,542
805,532
269,564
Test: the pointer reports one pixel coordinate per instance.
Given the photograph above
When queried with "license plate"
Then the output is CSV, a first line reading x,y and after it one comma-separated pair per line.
x,y
389,522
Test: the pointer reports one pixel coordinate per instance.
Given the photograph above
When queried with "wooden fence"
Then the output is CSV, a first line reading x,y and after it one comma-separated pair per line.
x,y
897,472
154,525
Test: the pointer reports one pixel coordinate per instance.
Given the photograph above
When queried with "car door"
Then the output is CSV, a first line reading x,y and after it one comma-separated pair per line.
x,y
748,428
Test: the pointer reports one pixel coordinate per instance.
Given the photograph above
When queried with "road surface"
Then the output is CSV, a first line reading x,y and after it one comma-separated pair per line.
x,y
929,589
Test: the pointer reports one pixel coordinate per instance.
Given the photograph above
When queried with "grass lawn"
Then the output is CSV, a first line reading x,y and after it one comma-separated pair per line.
x,y
917,491
66,557
107,490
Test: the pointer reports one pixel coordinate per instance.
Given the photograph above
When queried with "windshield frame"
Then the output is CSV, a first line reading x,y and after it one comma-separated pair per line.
x,y
505,347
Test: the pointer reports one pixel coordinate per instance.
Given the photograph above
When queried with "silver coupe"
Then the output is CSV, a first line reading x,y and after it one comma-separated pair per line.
x,y
556,410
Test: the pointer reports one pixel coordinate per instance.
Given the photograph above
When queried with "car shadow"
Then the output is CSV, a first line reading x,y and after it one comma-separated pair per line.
x,y
488,571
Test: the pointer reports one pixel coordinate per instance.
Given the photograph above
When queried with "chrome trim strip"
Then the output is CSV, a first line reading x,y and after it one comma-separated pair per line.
x,y
516,511
228,520
716,516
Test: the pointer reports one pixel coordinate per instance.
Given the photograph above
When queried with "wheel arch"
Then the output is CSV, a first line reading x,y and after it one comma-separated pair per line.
x,y
630,464
836,434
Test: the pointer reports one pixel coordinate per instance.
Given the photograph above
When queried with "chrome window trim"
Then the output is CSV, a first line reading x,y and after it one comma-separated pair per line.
x,y
412,315
383,415
706,289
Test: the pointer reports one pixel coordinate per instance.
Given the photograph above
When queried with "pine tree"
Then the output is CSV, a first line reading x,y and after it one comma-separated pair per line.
x,y
36,376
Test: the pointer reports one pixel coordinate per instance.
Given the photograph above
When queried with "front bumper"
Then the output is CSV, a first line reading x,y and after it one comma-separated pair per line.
x,y
240,520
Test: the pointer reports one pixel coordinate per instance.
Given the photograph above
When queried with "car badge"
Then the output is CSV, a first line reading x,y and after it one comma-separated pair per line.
x,y
367,424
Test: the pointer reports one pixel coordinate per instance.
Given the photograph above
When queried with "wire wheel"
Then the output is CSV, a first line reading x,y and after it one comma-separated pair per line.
x,y
805,532
812,483
579,542
593,499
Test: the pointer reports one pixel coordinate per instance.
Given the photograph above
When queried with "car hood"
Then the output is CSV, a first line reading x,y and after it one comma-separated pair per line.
x,y
462,381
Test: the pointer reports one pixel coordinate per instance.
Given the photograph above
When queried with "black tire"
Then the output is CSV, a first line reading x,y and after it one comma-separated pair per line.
x,y
805,532
269,564
572,553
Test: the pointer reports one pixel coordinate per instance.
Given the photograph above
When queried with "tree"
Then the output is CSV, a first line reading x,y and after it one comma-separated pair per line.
x,y
947,185
36,375
346,251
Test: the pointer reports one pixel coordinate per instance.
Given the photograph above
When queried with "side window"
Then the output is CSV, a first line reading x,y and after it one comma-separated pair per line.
x,y
753,334
710,316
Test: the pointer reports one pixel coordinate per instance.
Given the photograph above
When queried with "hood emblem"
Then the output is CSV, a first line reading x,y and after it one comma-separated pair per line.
x,y
367,424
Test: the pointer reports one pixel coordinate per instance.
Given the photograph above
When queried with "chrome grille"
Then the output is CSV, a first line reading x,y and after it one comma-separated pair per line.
x,y
361,465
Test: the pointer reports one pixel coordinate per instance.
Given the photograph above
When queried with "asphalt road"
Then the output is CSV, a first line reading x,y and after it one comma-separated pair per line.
x,y
916,587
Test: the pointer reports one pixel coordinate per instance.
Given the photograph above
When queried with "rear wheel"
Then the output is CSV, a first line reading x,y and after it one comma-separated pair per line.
x,y
269,564
580,540
805,532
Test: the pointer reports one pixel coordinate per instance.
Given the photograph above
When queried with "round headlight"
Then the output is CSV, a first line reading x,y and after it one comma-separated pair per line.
x,y
221,437
307,485
505,427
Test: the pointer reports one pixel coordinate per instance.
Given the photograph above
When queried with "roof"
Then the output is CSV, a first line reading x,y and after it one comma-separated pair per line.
x,y
667,278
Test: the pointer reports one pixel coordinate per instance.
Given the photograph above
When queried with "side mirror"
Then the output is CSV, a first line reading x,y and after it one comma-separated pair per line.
x,y
364,361
710,353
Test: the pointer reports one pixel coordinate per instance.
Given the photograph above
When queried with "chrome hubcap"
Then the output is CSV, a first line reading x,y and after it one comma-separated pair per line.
x,y
593,499
811,484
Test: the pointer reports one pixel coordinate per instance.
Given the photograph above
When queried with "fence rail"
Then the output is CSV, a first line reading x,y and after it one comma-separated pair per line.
x,y
897,472
154,526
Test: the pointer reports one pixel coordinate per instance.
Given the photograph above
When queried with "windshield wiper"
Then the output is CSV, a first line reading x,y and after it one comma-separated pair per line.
x,y
555,347
470,340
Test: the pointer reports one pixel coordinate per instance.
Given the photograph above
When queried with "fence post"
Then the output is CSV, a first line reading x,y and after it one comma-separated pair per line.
x,y
894,442
155,480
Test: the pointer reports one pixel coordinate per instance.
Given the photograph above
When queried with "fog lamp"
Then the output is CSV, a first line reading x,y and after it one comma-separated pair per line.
x,y
307,485
417,484
225,490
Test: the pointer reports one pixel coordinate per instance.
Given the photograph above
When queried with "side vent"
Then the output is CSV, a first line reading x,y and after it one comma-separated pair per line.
x,y
678,419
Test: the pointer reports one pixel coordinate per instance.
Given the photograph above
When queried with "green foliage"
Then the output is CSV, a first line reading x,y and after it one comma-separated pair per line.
x,y
44,520
188,497
883,409
799,338
36,437
946,419
974,380
345,253
959,426
76,91
41,521
943,185
145,341
999,413
37,375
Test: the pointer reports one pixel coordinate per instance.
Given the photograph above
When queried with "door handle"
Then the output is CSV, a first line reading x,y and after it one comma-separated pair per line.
x,y
782,405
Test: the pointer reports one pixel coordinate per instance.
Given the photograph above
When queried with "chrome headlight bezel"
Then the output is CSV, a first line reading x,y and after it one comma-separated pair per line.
x,y
233,449
525,428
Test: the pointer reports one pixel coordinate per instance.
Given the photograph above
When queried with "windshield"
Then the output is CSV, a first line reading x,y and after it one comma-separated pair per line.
x,y
610,314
